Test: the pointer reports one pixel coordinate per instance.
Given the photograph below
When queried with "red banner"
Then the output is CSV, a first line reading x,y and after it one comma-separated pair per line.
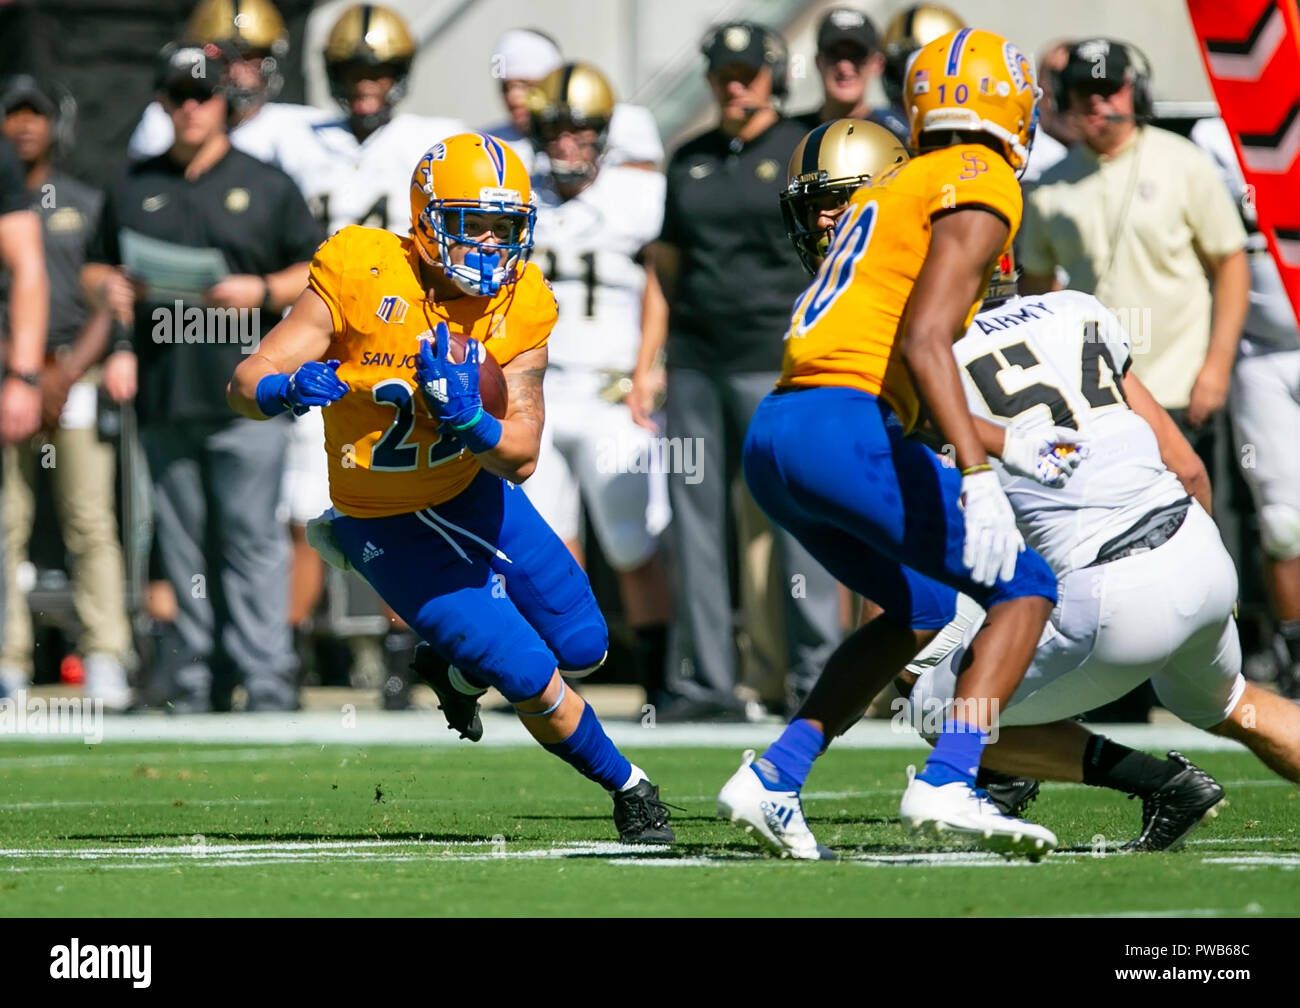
x,y
1251,50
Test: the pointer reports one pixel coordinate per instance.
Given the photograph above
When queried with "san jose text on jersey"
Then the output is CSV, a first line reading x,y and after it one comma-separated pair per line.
x,y
1061,358
846,325
386,453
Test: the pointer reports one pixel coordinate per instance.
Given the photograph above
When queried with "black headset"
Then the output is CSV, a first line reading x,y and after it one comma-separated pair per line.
x,y
1138,73
775,52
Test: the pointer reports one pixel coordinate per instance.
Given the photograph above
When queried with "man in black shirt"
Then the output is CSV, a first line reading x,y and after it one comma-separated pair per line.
x,y
37,119
730,278
216,477
849,59
29,305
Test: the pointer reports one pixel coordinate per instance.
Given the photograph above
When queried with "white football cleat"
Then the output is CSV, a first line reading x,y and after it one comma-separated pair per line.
x,y
959,809
774,817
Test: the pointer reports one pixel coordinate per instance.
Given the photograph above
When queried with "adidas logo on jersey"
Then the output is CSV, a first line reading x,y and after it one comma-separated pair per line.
x,y
370,551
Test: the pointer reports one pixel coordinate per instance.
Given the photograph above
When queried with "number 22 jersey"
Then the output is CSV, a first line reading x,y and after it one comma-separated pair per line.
x,y
386,453
846,326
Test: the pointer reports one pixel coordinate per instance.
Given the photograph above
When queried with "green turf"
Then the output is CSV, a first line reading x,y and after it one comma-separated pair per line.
x,y
163,830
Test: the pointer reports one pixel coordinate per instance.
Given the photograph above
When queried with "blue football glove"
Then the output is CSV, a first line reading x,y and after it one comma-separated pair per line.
x,y
313,384
451,392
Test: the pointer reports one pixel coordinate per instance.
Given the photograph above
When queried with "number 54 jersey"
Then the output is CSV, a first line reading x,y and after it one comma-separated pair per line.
x,y
846,325
1060,359
386,454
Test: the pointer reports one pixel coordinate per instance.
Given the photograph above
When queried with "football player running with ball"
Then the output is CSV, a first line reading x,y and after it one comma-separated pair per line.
x,y
870,348
423,478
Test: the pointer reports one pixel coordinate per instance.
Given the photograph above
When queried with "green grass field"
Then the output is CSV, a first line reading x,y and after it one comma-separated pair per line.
x,y
153,830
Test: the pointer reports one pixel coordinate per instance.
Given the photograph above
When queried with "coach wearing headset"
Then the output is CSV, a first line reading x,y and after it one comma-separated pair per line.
x,y
1138,216
730,278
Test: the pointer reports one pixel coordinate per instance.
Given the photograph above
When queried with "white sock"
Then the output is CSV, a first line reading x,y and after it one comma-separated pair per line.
x,y
636,777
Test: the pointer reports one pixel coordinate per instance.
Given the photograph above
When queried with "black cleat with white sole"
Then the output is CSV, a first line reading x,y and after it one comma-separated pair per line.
x,y
1177,808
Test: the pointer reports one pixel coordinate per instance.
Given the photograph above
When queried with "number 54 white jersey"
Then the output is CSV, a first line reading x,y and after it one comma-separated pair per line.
x,y
1060,358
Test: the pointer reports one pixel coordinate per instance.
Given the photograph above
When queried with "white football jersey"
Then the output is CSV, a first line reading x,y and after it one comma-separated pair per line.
x,y
270,135
589,247
347,182
1061,358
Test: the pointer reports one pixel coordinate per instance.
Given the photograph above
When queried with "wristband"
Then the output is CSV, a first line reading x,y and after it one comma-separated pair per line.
x,y
972,470
481,434
271,393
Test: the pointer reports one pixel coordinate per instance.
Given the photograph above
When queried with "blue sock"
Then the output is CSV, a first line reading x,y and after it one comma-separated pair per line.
x,y
786,764
956,755
589,751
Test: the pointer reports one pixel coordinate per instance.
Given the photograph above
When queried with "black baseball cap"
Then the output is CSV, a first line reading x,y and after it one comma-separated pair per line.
x,y
843,24
737,42
1096,65
24,89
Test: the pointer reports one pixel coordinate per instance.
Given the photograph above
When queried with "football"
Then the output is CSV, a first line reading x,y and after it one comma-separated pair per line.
x,y
491,380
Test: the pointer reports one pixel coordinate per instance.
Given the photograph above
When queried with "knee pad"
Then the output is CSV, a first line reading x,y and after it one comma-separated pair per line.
x,y
584,649
1279,531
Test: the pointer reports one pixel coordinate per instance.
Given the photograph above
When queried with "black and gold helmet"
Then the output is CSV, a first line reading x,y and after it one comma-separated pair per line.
x,y
575,96
370,36
253,29
908,30
827,167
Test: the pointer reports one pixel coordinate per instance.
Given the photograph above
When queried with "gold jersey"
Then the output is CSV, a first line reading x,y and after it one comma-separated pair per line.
x,y
846,325
386,453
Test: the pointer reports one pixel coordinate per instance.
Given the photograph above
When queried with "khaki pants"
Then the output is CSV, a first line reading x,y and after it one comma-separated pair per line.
x,y
83,470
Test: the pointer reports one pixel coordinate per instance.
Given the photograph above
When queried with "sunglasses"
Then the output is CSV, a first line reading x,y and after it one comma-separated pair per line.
x,y
199,90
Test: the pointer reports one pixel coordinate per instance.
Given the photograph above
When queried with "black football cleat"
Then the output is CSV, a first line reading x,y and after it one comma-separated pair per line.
x,y
1012,795
1177,808
641,817
460,709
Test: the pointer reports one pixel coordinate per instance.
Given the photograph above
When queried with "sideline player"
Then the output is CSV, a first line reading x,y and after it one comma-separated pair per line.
x,y
870,346
594,222
423,479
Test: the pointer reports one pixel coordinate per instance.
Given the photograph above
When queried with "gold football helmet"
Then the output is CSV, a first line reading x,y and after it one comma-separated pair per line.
x,y
973,81
252,28
575,96
473,175
908,30
368,35
826,168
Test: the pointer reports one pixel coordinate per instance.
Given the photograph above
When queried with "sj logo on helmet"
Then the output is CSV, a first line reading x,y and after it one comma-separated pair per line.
x,y
1020,69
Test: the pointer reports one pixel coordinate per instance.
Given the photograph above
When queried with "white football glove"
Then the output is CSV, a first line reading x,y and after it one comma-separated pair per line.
x,y
1044,454
993,543
320,537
